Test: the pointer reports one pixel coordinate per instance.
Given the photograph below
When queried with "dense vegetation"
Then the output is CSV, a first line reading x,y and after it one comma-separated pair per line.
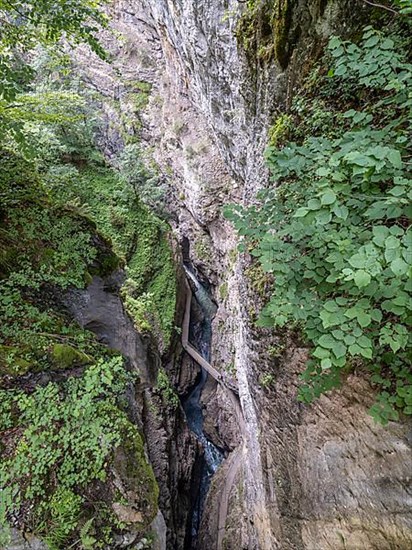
x,y
59,437
65,216
334,227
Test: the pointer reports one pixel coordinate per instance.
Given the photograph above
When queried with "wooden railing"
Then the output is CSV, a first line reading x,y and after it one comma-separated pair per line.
x,y
187,346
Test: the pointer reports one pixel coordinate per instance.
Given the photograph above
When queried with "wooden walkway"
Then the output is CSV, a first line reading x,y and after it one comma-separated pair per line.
x,y
187,346
232,391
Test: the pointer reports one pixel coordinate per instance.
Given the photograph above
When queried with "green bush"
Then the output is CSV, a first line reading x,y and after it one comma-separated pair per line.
x,y
334,231
167,391
62,437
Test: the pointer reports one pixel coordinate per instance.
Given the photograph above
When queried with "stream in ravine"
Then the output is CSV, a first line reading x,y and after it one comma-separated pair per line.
x,y
200,337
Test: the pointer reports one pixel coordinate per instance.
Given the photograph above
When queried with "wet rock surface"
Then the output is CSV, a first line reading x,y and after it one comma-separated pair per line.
x,y
99,309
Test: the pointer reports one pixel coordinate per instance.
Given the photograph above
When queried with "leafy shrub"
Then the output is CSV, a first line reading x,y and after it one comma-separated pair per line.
x,y
138,236
278,132
62,437
167,391
334,231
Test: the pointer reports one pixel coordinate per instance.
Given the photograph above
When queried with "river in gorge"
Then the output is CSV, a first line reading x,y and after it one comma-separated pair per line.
x,y
200,335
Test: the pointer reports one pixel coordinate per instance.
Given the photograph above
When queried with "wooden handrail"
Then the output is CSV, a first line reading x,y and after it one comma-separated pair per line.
x,y
232,393
187,346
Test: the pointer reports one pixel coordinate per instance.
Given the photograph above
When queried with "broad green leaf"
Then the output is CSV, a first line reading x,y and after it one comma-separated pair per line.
x,y
352,312
399,267
362,278
366,352
354,349
326,363
341,70
329,197
314,204
380,233
341,212
376,315
323,171
358,261
364,342
392,242
321,353
364,319
327,341
331,306
339,349
301,212
394,157
372,41
349,339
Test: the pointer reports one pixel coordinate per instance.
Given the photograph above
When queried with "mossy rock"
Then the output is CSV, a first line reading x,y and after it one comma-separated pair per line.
x,y
12,363
139,491
281,24
265,31
87,278
64,356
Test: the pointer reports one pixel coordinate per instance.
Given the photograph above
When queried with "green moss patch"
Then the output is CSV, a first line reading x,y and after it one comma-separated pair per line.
x,y
64,356
264,30
138,487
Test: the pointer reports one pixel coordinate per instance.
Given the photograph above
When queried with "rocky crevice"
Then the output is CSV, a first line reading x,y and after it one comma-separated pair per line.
x,y
305,479
172,450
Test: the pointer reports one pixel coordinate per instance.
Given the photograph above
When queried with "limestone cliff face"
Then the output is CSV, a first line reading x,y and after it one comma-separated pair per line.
x,y
304,477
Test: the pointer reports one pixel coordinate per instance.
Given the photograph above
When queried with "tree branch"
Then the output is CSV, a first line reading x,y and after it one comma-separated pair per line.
x,y
387,8
17,11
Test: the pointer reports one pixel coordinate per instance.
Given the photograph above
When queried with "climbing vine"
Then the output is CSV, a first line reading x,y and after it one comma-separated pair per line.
x,y
334,228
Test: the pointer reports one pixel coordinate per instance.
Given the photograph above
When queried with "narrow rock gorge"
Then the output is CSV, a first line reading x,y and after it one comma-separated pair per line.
x,y
231,459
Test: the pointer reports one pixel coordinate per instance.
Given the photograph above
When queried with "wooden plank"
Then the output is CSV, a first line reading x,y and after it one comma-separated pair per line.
x,y
187,346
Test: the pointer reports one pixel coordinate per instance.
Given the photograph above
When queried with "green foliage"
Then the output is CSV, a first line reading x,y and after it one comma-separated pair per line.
x,y
202,248
59,442
266,380
223,290
59,439
86,535
25,24
63,434
167,391
140,94
334,231
405,6
139,237
278,132
145,183
51,107
41,245
64,509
